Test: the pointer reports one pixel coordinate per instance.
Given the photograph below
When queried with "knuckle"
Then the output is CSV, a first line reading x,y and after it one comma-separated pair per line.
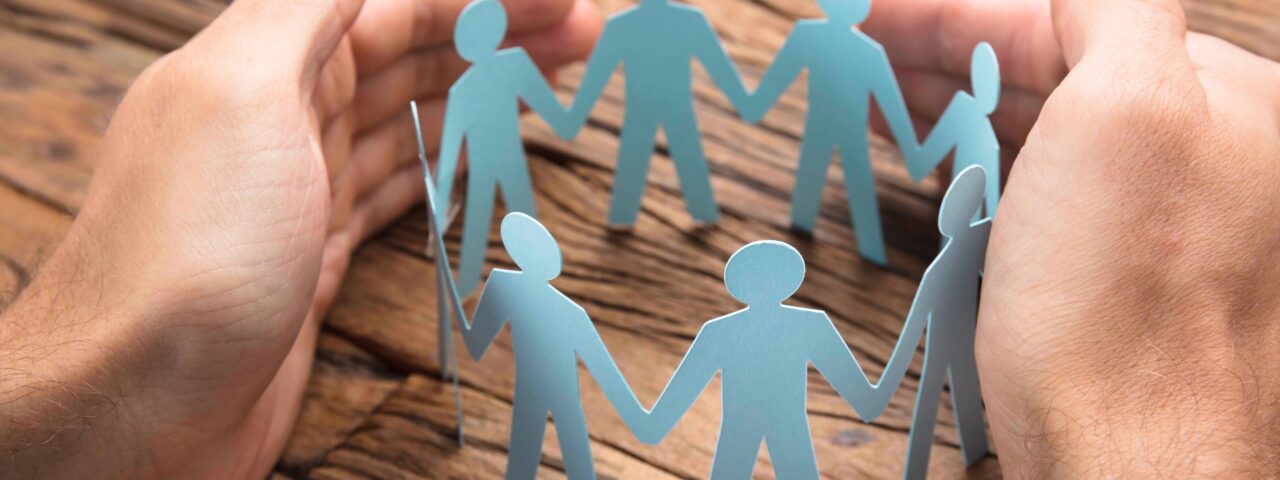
x,y
1163,108
224,82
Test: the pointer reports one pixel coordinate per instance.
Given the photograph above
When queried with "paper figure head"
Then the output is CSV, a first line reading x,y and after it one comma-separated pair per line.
x,y
984,71
846,12
480,29
764,273
531,246
962,201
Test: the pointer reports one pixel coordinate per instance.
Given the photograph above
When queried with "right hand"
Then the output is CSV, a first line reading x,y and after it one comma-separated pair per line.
x,y
1130,303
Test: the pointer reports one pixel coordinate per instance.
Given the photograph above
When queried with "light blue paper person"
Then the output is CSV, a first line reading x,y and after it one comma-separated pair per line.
x,y
656,42
947,302
483,108
846,68
549,333
966,127
446,288
763,353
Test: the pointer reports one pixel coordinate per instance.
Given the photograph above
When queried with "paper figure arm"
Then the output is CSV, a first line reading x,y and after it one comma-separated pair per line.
x,y
896,368
696,370
492,312
941,140
450,146
538,96
785,68
837,364
884,87
605,58
595,355
708,49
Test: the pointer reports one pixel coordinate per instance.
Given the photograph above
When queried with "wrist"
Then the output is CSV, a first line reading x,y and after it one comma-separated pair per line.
x,y
1157,386
72,349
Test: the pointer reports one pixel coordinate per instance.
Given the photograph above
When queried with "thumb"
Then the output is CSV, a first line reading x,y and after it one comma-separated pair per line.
x,y
294,37
1110,28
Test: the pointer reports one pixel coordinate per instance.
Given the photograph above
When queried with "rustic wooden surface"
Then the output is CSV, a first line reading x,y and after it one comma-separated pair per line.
x,y
375,407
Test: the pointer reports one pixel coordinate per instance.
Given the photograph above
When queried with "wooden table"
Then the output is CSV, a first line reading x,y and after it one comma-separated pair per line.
x,y
376,406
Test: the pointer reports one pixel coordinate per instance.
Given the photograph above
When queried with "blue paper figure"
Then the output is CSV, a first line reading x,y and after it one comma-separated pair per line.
x,y
763,353
445,286
846,68
656,42
966,127
549,333
483,107
947,301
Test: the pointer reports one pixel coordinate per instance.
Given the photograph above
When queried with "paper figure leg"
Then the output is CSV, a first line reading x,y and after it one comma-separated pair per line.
x,y
811,177
966,401
444,331
685,144
475,231
575,446
923,420
528,425
517,188
791,449
634,155
736,450
860,186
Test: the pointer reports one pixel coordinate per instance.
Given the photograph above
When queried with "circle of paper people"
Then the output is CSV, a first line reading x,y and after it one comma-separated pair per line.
x,y
762,352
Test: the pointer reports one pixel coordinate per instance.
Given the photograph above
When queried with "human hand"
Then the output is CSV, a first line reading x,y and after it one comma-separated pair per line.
x,y
1129,307
172,333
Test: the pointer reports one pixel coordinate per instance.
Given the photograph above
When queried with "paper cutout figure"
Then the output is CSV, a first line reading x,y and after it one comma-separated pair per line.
x,y
763,353
965,126
656,42
846,68
549,333
445,286
483,109
947,301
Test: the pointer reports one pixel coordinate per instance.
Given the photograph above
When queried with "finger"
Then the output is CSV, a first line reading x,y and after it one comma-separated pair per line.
x,y
430,72
389,29
940,35
296,38
384,149
1141,35
401,191
928,93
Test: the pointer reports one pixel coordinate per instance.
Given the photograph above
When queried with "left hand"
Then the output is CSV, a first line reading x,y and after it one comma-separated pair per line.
x,y
172,333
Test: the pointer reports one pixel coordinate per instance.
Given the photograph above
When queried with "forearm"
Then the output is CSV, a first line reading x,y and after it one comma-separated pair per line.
x,y
66,346
1151,371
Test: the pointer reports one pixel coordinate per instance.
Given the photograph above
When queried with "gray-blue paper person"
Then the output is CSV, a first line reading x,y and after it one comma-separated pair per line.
x,y
656,42
549,332
763,353
846,68
483,108
947,302
446,288
966,127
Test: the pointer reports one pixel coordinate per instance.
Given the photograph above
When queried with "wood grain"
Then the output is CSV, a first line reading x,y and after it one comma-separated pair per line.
x,y
375,407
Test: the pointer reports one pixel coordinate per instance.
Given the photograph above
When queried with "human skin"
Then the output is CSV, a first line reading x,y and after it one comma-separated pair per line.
x,y
172,332
1128,319
1127,326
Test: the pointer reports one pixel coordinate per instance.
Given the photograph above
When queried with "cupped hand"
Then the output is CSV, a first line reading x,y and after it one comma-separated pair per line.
x,y
172,333
1131,301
